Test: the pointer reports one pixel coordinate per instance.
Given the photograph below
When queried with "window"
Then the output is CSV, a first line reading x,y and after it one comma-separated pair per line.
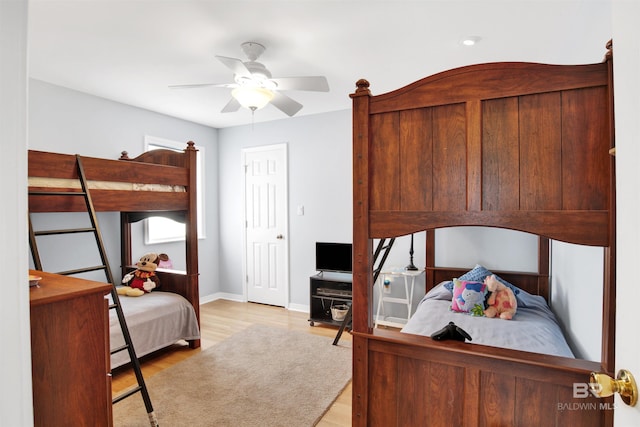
x,y
159,229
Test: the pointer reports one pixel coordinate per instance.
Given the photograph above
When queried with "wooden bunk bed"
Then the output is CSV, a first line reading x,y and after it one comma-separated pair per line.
x,y
156,183
521,146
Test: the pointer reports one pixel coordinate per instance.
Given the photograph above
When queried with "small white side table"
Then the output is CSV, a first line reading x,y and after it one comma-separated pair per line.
x,y
409,284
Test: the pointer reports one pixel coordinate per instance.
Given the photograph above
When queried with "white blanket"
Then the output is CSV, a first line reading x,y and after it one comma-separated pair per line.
x,y
534,327
155,320
102,185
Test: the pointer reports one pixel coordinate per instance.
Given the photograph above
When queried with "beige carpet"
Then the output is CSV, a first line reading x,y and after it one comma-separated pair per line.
x,y
261,376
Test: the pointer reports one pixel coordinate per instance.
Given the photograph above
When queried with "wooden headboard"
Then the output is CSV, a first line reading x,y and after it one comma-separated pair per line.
x,y
519,145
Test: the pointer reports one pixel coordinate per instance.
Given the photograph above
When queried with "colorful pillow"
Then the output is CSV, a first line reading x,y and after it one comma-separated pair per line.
x,y
468,297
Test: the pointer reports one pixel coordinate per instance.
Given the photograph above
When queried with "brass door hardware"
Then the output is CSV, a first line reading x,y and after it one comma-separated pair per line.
x,y
603,385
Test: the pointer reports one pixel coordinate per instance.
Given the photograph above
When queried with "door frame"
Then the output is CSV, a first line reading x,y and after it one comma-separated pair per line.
x,y
287,285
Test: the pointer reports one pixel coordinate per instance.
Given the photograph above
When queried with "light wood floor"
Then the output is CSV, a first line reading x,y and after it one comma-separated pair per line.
x,y
220,319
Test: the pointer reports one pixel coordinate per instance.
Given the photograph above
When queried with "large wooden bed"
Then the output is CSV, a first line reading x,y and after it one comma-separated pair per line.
x,y
521,146
156,183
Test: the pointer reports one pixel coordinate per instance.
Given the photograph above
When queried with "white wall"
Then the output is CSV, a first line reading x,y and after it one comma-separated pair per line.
x,y
495,249
67,121
576,296
15,356
319,150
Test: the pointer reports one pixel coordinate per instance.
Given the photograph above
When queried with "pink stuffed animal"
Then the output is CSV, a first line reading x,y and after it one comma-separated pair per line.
x,y
502,301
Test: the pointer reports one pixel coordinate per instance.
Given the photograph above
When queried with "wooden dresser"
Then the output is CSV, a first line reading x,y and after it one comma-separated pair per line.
x,y
70,352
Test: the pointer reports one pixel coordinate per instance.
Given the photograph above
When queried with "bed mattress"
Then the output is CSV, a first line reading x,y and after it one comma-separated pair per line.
x,y
155,320
534,327
40,182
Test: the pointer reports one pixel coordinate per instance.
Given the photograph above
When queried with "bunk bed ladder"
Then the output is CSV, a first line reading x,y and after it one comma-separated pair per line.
x,y
383,247
115,305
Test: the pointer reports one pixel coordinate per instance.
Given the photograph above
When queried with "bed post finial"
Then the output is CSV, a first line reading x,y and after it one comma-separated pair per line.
x,y
124,156
609,54
191,146
362,86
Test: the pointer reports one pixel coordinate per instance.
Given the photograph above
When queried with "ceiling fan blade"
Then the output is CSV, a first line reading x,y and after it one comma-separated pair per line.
x,y
310,83
235,65
285,104
198,85
232,106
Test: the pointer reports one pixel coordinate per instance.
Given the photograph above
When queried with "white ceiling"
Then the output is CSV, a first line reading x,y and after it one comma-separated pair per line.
x,y
130,51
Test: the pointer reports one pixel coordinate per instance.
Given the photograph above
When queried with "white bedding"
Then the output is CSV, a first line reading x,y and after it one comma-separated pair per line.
x,y
534,327
102,185
155,320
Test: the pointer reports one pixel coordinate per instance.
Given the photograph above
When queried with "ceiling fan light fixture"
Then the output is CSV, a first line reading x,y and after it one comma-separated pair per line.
x,y
253,98
470,40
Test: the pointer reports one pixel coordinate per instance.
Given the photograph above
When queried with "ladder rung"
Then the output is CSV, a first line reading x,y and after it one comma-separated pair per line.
x,y
82,270
126,394
396,300
57,193
119,349
65,231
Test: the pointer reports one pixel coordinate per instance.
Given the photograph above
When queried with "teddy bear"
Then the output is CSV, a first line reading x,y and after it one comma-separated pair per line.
x,y
502,301
143,279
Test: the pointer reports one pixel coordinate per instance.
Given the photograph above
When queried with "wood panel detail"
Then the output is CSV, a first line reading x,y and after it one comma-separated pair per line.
x,y
468,387
449,158
500,155
383,391
497,400
490,155
385,154
540,152
585,145
416,159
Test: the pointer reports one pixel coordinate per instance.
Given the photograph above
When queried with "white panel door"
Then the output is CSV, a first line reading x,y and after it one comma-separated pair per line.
x,y
626,65
266,224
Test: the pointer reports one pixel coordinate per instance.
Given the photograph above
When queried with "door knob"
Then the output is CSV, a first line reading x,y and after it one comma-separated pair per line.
x,y
603,385
279,237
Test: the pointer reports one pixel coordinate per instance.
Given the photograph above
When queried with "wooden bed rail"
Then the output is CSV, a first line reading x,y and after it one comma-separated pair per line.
x,y
411,380
55,165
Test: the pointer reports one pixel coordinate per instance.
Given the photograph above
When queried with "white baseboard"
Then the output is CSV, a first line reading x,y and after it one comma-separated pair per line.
x,y
222,295
240,298
299,307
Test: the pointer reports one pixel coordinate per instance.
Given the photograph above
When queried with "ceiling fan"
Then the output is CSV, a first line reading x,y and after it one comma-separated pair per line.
x,y
254,87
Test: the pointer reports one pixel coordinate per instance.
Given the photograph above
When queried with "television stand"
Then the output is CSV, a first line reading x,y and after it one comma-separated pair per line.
x,y
328,290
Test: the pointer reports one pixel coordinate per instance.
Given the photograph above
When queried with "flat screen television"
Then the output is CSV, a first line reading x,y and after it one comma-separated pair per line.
x,y
334,257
